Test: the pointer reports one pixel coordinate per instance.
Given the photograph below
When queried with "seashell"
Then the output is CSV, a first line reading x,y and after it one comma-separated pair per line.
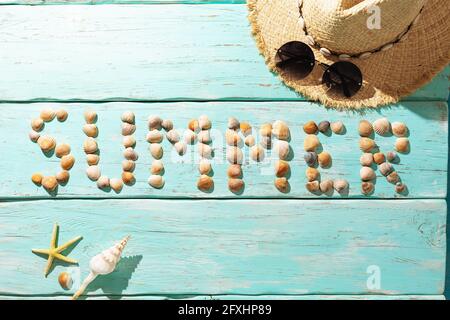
x,y
325,52
157,167
266,130
128,117
116,184
61,115
399,129
266,142
366,144
128,165
365,128
282,184
301,21
128,178
365,55
326,186
62,177
401,145
167,125
379,157
366,159
102,264
103,182
90,130
46,143
156,181
93,172
250,141
129,141
204,136
382,126
257,153
204,167
312,174
391,156
65,280
205,183
234,155
154,122
49,183
154,136
37,178
34,136
310,41
233,123
173,136
313,186
193,125
385,168
393,177
235,185
387,47
367,188
310,127
190,136
246,128
325,159
128,129
47,115
130,154
337,127
90,146
341,185
282,168
67,162
344,57
204,123
367,174
311,143
324,126
205,150
156,150
180,147
62,149
37,124
311,158
90,116
281,130
400,187
234,171
232,138
282,149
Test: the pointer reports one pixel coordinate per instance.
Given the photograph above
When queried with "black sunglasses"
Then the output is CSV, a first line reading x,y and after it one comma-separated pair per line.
x,y
297,59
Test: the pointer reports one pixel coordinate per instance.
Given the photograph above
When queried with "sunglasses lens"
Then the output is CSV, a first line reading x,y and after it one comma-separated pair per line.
x,y
295,58
343,78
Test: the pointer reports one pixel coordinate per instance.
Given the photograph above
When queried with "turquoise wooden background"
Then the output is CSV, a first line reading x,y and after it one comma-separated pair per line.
x,y
180,61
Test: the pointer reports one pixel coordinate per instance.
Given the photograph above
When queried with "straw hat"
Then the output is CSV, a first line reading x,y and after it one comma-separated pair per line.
x,y
410,45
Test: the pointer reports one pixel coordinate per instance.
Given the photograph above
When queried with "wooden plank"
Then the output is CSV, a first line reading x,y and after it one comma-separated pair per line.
x,y
424,169
234,247
140,52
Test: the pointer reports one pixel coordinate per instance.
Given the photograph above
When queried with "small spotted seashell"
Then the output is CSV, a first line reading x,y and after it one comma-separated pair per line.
x,y
204,167
393,177
129,141
204,122
128,117
382,126
61,115
154,122
156,181
90,145
173,136
167,125
128,165
154,136
49,183
205,183
344,57
34,136
205,150
324,126
257,153
37,178
266,142
190,136
282,184
365,128
204,136
325,52
246,128
250,141
90,130
311,142
387,47
234,155
90,116
310,127
157,167
130,154
385,168
400,187
67,162
379,158
37,124
47,143
266,130
366,159
401,145
313,186
392,156
235,185
367,174
312,174
93,172
281,130
337,127
128,178
281,168
180,147
365,55
366,144
311,158
367,188
92,159
282,149
234,171
232,137
103,182
341,185
116,184
62,150
310,41
233,123
65,280
156,150
47,115
325,159
128,128
326,186
193,125
399,129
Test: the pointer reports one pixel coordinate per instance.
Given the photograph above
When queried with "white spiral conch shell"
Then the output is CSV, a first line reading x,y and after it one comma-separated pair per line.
x,y
103,263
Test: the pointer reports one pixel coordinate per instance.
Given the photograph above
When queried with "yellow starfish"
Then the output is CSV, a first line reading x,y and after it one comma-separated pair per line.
x,y
54,252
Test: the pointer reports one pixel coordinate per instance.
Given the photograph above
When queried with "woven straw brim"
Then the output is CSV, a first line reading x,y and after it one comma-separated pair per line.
x,y
388,76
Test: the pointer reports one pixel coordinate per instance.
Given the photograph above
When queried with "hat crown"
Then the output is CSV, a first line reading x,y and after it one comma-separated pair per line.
x,y
356,26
